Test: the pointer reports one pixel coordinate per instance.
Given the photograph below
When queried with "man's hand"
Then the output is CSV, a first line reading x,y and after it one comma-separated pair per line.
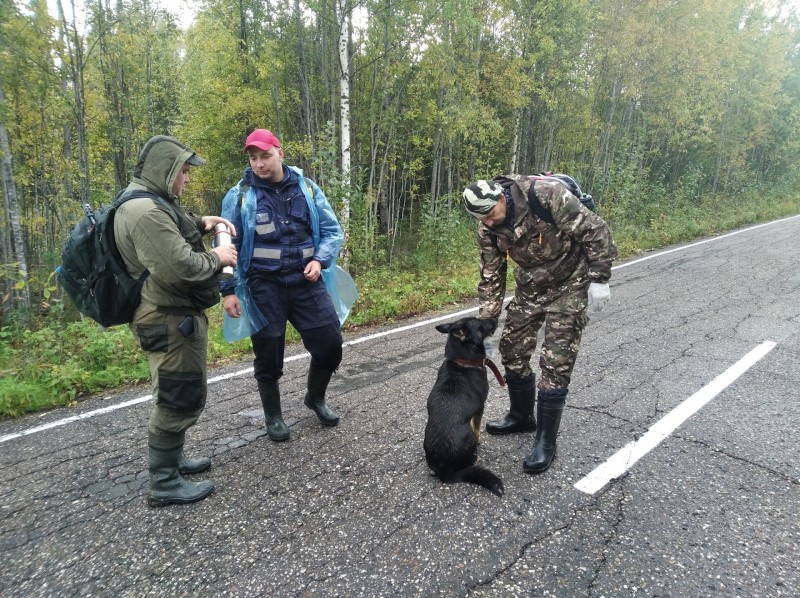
x,y
313,271
232,306
209,222
227,254
599,295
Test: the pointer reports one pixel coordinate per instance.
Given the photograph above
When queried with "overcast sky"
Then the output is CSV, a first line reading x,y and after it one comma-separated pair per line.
x,y
183,10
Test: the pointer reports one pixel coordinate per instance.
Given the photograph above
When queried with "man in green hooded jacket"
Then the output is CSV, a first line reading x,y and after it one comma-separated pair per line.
x,y
170,324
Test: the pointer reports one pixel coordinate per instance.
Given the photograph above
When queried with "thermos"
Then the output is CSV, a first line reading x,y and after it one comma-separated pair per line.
x,y
223,238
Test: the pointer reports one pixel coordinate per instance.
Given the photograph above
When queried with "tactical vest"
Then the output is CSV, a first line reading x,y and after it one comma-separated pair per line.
x,y
282,242
201,295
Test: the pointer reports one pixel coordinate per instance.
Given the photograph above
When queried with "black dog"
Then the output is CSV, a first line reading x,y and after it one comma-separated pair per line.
x,y
455,405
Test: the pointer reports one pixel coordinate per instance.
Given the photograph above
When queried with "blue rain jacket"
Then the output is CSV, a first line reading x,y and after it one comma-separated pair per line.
x,y
328,238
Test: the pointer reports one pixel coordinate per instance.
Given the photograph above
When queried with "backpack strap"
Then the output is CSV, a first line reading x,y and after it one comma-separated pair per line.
x,y
157,199
120,199
571,185
243,187
536,206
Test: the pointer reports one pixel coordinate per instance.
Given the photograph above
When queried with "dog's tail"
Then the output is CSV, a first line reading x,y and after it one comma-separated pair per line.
x,y
475,474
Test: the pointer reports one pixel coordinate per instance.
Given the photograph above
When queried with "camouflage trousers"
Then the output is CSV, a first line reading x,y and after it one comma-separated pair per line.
x,y
177,348
562,310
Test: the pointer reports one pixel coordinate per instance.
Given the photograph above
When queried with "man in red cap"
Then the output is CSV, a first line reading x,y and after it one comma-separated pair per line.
x,y
288,235
266,155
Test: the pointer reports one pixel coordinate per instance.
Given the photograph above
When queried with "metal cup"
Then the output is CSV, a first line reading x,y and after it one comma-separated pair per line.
x,y
223,238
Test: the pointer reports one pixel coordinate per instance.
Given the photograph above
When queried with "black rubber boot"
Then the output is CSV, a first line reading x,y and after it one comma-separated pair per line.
x,y
167,486
318,380
548,410
187,465
270,393
521,395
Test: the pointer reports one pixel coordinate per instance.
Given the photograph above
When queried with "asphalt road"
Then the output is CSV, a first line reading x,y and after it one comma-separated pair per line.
x,y
706,502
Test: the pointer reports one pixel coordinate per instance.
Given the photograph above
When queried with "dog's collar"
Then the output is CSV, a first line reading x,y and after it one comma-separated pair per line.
x,y
481,363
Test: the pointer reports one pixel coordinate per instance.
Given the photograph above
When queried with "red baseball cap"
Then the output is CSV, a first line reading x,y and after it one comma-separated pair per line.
x,y
263,139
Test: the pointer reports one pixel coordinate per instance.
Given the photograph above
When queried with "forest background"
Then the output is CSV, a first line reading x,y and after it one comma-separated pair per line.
x,y
681,118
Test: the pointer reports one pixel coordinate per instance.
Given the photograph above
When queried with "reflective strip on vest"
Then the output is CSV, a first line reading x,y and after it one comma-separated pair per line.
x,y
308,252
265,229
268,254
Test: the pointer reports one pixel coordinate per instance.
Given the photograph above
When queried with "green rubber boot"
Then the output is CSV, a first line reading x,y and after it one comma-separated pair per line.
x,y
548,412
167,486
270,393
188,466
318,380
521,396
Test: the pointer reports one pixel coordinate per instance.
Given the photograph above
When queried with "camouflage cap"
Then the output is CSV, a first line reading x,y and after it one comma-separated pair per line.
x,y
481,197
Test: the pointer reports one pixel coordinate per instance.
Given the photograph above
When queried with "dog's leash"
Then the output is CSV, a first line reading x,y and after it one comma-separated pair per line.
x,y
482,363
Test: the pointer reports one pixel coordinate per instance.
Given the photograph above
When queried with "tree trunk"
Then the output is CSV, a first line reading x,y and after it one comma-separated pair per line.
x,y
74,47
514,162
115,90
306,119
344,116
344,88
12,207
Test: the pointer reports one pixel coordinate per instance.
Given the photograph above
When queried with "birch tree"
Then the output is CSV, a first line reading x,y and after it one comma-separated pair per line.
x,y
344,14
10,199
12,208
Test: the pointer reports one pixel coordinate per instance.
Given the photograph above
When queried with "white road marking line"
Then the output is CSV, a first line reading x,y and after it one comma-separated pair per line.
x,y
215,379
142,399
625,458
703,242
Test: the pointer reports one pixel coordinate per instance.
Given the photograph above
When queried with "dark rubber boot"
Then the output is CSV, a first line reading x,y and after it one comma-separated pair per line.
x,y
318,380
548,410
187,465
521,395
167,486
270,393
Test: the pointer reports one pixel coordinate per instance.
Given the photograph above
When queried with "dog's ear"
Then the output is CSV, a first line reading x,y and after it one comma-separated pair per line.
x,y
444,328
488,326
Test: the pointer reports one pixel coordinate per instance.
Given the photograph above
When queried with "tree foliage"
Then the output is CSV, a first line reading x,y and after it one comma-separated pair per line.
x,y
641,101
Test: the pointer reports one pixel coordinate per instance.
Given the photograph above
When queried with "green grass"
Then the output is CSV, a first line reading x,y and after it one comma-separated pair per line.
x,y
61,363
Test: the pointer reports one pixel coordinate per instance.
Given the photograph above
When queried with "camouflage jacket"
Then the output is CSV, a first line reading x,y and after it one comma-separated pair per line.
x,y
579,243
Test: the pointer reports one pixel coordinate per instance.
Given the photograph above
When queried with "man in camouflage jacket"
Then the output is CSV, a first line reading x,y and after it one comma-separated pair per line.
x,y
561,268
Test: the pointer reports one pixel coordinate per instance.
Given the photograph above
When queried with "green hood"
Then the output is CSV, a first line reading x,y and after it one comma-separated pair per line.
x,y
160,161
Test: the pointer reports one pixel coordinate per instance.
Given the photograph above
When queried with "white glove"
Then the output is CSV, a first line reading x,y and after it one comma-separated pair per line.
x,y
599,295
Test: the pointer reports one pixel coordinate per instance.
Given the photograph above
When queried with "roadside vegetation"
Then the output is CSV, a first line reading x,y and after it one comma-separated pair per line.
x,y
59,362
392,108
